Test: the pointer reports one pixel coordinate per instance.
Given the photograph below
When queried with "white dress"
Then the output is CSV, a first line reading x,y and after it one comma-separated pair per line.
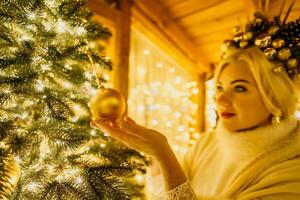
x,y
263,163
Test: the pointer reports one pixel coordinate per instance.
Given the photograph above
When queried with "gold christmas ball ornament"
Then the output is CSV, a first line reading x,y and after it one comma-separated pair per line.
x,y
236,30
278,68
238,37
107,104
292,63
273,30
263,40
243,44
10,174
247,36
270,53
258,20
284,54
278,43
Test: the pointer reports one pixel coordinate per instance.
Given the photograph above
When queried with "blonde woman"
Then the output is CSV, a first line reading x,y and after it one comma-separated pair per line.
x,y
254,151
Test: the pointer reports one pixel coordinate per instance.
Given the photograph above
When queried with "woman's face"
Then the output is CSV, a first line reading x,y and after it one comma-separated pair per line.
x,y
238,100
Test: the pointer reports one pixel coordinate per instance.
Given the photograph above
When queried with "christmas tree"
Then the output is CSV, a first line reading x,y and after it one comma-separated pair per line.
x,y
50,66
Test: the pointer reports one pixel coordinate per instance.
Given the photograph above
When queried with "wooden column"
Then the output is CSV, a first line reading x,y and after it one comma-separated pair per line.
x,y
123,48
202,101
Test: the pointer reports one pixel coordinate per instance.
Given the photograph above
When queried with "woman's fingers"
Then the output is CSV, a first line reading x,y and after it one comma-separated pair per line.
x,y
136,130
120,135
128,119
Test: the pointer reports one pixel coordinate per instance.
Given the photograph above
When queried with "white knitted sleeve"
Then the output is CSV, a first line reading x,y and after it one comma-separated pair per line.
x,y
181,192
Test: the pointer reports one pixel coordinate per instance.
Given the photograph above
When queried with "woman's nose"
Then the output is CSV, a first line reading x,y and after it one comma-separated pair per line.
x,y
224,99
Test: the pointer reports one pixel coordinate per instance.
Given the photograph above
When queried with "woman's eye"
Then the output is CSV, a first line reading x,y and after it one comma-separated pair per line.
x,y
240,89
219,89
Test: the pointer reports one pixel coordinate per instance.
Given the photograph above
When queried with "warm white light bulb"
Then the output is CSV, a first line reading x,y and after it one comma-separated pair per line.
x,y
80,30
39,86
172,70
102,145
195,91
146,52
31,16
159,65
177,114
297,114
32,186
93,132
154,122
178,79
76,107
139,178
45,67
61,26
25,37
79,180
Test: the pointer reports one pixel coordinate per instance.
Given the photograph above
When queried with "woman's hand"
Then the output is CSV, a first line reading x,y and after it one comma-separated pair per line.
x,y
135,136
149,141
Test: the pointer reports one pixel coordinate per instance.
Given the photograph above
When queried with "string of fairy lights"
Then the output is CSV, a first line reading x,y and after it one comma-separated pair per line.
x,y
161,92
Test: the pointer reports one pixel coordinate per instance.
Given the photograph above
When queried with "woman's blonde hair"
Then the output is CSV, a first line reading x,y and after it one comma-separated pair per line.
x,y
277,90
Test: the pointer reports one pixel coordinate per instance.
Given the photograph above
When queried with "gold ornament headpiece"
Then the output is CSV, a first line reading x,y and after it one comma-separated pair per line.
x,y
280,41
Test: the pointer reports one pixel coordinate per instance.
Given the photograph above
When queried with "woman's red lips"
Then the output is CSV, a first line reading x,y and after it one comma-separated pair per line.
x,y
227,115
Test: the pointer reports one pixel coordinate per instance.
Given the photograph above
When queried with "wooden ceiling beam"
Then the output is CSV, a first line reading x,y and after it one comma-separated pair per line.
x,y
218,25
164,21
215,12
104,11
185,8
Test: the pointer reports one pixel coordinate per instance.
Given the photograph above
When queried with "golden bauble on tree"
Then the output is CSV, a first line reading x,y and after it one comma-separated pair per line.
x,y
238,37
263,40
292,63
284,54
270,53
9,174
107,104
243,44
247,36
273,30
278,68
278,43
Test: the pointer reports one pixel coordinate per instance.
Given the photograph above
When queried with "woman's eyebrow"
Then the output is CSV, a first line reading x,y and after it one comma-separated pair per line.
x,y
238,80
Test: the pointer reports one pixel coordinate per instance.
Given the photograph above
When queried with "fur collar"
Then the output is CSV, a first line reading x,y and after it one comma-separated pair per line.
x,y
248,144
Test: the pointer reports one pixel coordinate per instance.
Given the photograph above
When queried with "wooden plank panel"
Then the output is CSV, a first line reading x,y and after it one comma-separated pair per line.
x,y
189,7
154,33
216,12
213,37
164,22
168,3
217,25
213,51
